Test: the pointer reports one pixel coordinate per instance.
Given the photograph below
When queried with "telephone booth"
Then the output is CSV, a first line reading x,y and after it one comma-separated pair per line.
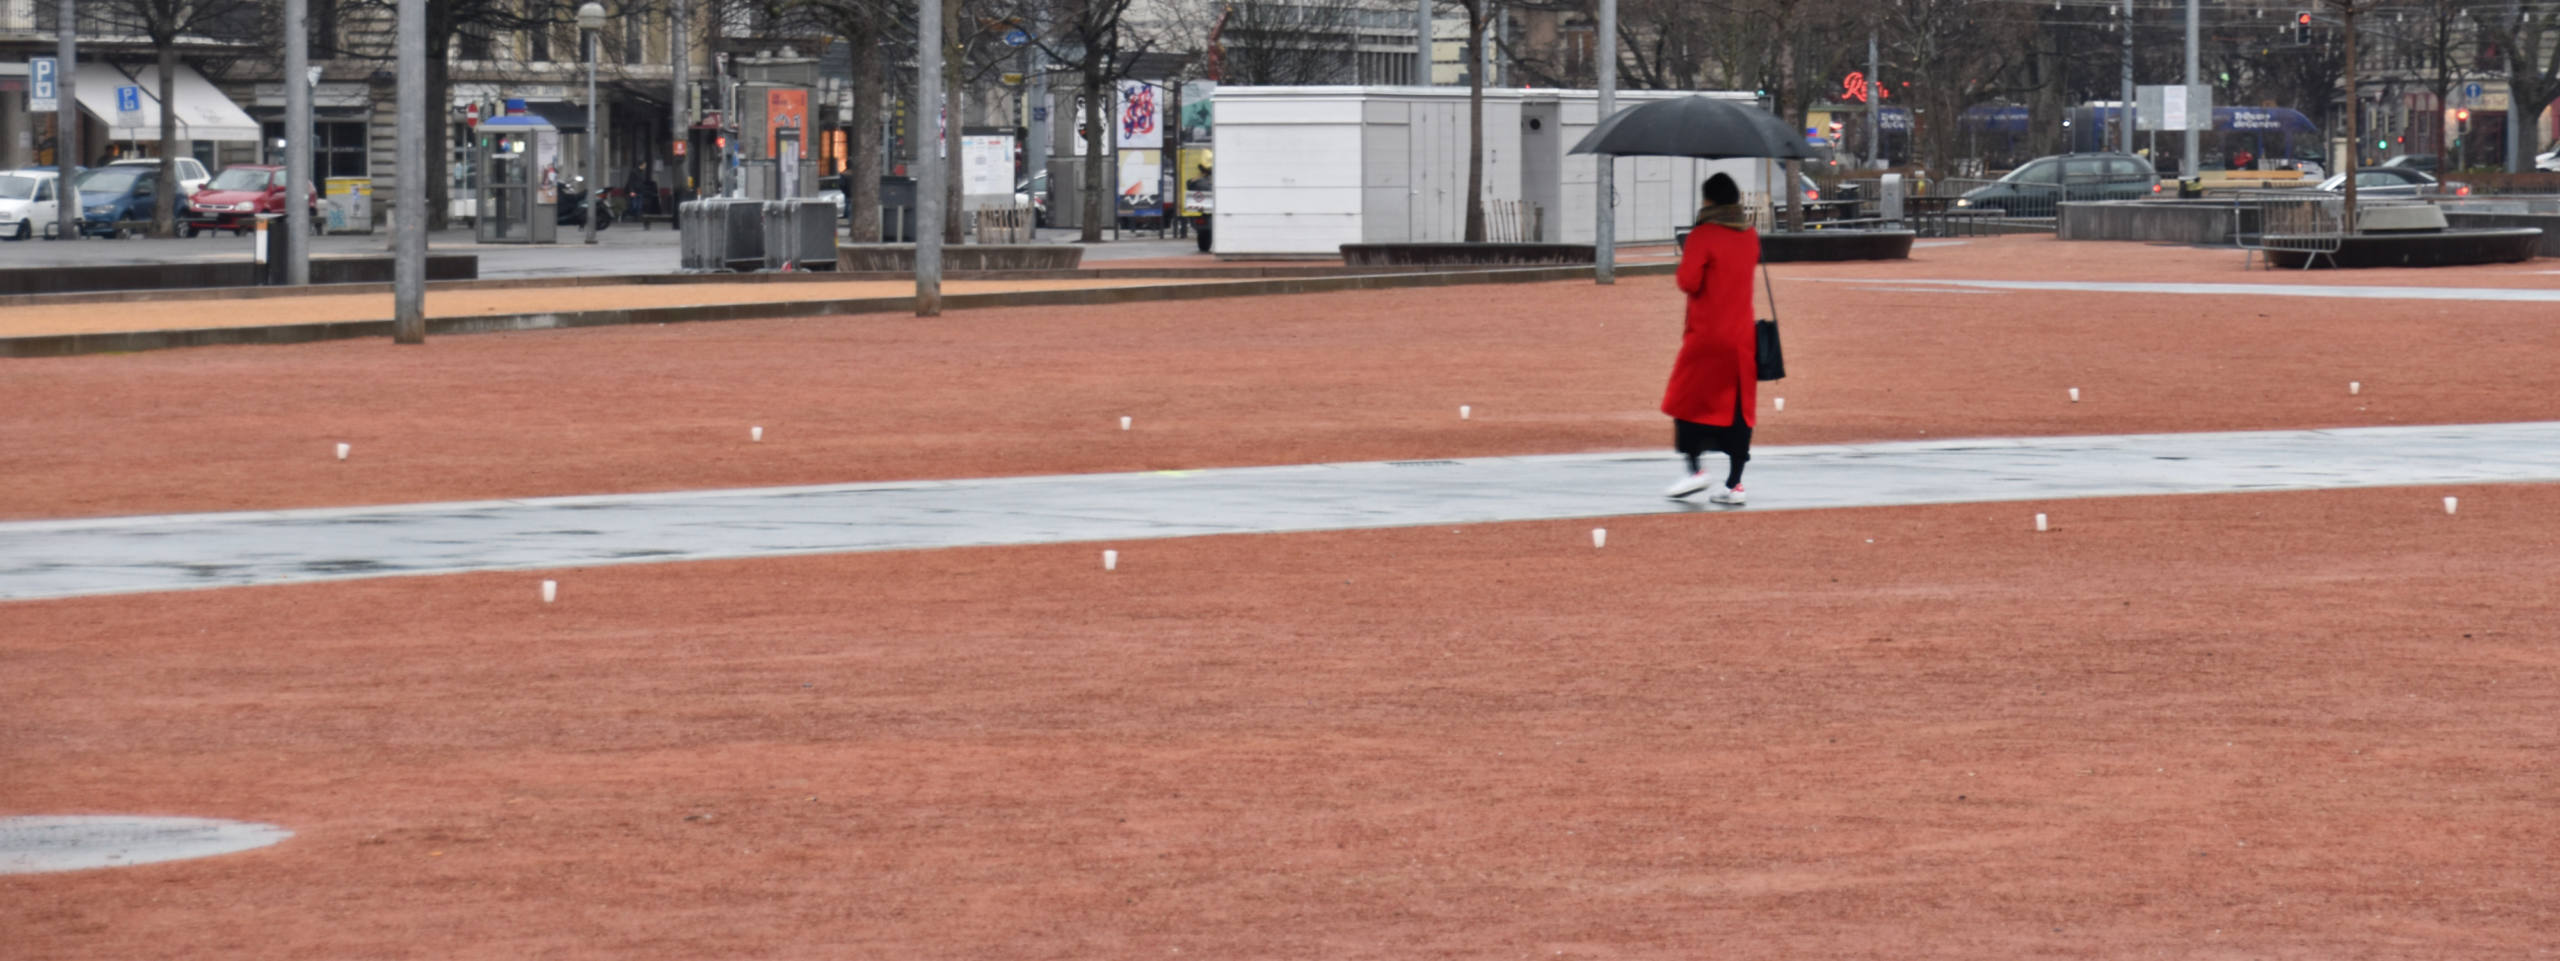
x,y
519,196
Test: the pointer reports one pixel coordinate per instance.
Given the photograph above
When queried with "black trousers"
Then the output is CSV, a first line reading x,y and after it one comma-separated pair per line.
x,y
1733,440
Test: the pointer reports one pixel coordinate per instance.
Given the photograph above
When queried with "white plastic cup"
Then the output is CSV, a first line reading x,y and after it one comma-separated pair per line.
x,y
2354,388
1782,403
342,452
1463,412
1599,537
2039,523
1124,423
550,591
1110,560
2075,395
2448,505
755,434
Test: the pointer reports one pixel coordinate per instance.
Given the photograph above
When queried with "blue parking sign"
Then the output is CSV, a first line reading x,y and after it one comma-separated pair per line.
x,y
129,99
42,88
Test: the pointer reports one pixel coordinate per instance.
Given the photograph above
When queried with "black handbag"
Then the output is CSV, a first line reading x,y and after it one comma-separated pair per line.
x,y
1772,360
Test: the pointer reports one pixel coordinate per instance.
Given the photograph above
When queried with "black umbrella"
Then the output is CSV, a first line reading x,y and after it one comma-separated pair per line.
x,y
1702,127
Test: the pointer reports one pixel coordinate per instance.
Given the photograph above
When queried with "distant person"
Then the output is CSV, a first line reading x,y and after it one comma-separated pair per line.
x,y
1715,382
2243,160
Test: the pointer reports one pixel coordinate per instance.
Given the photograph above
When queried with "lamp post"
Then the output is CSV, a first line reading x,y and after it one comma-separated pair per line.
x,y
590,20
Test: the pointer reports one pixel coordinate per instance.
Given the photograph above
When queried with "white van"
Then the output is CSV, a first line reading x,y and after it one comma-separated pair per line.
x,y
191,175
28,205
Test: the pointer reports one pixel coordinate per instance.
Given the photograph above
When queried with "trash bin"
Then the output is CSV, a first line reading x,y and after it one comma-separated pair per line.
x,y
275,244
897,210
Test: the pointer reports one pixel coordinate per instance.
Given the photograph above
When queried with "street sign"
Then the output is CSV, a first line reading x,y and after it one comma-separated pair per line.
x,y
1016,37
128,99
2471,91
44,88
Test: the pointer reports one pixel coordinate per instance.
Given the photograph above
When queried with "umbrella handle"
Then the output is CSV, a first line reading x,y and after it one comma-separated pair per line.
x,y
1772,289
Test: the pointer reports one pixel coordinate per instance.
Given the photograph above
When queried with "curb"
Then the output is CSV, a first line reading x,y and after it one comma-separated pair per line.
x,y
64,345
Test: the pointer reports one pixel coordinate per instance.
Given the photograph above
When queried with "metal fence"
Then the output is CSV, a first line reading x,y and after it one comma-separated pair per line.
x,y
1514,222
2312,223
1003,225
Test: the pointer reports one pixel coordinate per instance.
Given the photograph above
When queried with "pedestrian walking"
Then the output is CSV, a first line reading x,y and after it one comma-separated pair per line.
x,y
1715,380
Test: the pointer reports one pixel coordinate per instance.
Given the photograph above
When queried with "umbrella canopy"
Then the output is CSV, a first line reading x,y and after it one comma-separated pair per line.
x,y
1702,127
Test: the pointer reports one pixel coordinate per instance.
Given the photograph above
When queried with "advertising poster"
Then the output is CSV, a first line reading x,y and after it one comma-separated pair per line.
x,y
785,108
986,165
1141,173
1196,128
1141,111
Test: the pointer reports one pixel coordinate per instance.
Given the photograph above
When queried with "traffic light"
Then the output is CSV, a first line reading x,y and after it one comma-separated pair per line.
x,y
2462,120
2302,26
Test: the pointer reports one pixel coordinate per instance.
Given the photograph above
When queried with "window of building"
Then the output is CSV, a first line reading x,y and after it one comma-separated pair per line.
x,y
338,147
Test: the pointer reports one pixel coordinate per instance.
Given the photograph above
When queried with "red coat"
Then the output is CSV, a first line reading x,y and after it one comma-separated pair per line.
x,y
1719,361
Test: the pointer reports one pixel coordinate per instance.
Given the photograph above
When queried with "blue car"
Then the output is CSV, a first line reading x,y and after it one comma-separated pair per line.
x,y
113,196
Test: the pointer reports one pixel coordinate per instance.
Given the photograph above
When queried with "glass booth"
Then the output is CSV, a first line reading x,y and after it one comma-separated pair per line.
x,y
519,173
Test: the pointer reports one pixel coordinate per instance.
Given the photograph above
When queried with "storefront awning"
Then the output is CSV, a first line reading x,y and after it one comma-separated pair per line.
x,y
565,116
203,112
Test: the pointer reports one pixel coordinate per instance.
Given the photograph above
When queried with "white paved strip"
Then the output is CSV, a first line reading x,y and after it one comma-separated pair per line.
x,y
114,555
2486,294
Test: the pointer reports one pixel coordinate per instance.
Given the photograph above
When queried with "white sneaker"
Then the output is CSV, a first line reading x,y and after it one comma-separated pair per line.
x,y
1726,495
1688,485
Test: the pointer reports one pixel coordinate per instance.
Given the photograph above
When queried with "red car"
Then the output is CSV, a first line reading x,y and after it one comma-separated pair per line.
x,y
237,196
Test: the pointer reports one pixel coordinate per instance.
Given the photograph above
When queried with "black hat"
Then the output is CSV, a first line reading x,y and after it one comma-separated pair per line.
x,y
1721,189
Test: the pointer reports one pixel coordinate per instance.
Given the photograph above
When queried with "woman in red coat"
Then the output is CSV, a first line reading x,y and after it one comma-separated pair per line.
x,y
1715,382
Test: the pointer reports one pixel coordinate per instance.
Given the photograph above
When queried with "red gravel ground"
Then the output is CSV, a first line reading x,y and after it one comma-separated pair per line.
x,y
2313,725
2304,725
1352,376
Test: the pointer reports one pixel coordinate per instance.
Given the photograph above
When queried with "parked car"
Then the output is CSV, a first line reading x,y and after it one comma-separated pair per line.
x,y
2396,182
191,175
831,188
235,198
112,196
1034,193
2548,160
2414,161
29,207
2033,188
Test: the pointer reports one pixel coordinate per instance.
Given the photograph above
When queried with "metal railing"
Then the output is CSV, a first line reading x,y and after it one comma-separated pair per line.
x,y
2312,224
1003,225
1514,222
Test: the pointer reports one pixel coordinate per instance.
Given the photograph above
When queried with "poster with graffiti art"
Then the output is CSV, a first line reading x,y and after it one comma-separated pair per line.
x,y
1141,173
1196,97
1141,110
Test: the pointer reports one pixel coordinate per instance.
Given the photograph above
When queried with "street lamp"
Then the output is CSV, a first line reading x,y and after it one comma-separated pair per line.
x,y
590,20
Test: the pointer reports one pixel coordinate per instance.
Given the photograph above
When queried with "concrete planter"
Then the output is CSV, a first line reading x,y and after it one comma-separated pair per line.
x,y
1464,255
86,278
2450,248
902,257
1778,246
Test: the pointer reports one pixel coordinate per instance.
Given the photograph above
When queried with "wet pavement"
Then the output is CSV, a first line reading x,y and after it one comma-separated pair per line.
x,y
114,555
2349,292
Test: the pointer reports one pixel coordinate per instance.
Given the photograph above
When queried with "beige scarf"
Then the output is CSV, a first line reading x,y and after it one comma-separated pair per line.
x,y
1725,215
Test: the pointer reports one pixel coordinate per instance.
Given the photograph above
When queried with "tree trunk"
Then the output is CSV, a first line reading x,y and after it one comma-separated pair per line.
x,y
868,92
954,186
439,134
1097,200
164,204
1475,126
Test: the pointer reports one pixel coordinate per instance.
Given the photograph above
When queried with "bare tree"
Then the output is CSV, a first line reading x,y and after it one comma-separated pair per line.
x,y
1479,16
869,28
1091,39
2531,65
166,23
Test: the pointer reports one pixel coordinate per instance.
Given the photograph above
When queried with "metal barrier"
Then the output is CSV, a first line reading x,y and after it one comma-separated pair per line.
x,y
721,233
799,234
1513,222
2290,220
1003,225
